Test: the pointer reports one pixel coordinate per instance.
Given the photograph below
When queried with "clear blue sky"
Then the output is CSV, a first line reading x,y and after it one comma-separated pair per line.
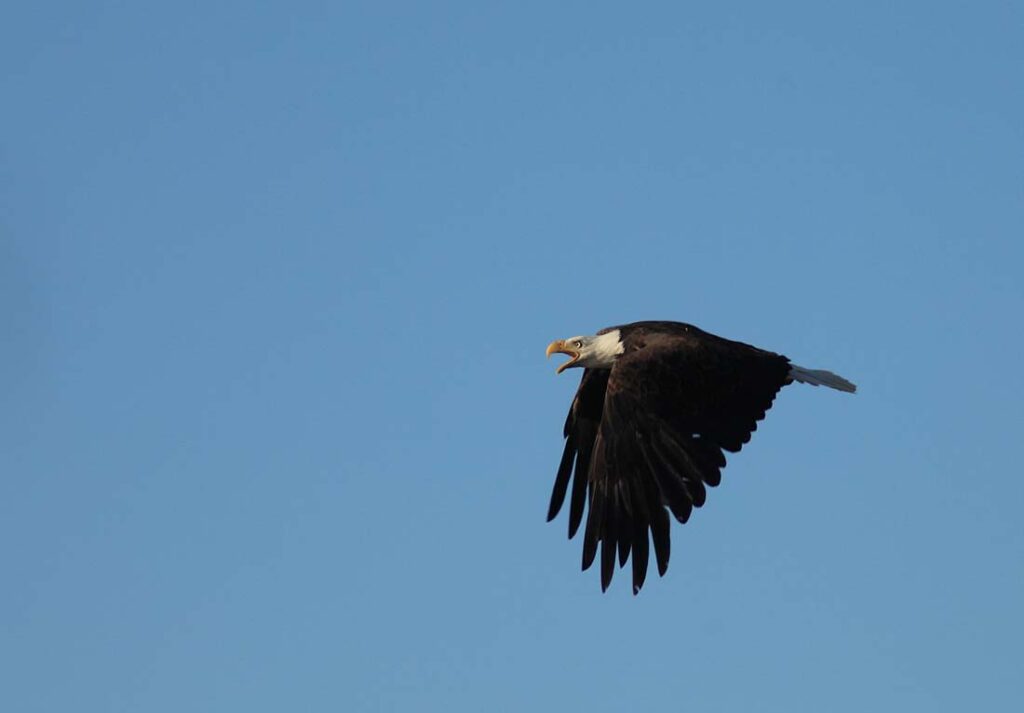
x,y
275,285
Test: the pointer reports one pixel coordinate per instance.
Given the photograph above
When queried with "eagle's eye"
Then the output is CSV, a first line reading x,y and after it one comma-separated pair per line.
x,y
578,344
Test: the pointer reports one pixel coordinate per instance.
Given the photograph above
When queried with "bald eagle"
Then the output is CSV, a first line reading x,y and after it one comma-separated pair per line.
x,y
658,404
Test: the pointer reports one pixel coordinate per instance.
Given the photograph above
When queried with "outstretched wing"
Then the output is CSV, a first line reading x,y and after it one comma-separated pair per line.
x,y
672,405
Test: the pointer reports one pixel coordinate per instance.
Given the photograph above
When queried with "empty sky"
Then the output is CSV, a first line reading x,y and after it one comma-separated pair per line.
x,y
275,285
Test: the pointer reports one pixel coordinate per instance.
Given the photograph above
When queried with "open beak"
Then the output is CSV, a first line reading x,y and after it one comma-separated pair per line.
x,y
560,347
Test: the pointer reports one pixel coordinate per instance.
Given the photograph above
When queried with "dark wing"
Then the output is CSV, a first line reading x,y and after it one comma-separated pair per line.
x,y
581,429
672,404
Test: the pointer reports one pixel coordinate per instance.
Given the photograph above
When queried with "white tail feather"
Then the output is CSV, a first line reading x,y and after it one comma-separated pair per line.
x,y
820,377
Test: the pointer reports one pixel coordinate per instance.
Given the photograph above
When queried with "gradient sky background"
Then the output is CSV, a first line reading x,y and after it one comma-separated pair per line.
x,y
276,281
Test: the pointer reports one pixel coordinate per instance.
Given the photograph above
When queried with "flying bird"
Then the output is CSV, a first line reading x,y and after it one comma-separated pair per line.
x,y
657,406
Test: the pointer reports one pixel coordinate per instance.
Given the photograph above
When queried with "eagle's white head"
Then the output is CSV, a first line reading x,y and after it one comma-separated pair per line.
x,y
597,352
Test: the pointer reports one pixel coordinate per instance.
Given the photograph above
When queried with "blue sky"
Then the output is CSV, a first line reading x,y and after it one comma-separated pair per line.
x,y
276,284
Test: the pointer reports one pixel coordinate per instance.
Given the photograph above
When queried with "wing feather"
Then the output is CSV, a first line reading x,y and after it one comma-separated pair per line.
x,y
562,478
674,492
579,484
641,526
609,536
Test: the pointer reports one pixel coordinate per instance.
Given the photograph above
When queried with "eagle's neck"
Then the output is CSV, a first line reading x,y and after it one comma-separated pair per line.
x,y
606,348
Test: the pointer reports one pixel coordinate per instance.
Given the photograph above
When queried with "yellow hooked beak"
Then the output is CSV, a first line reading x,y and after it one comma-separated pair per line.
x,y
560,347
